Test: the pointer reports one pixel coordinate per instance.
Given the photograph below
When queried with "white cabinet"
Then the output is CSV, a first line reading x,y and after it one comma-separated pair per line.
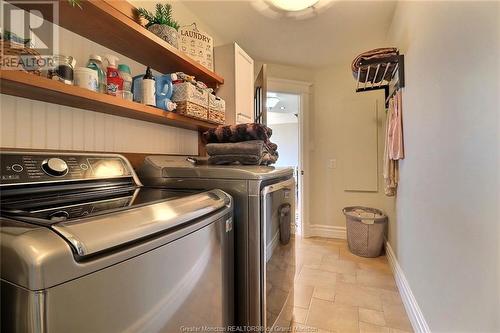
x,y
237,68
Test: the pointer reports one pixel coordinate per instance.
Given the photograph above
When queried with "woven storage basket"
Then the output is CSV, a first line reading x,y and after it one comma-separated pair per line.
x,y
192,110
365,230
191,100
216,109
10,48
216,117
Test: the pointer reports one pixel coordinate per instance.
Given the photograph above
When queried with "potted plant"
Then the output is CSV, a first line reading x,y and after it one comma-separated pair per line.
x,y
161,23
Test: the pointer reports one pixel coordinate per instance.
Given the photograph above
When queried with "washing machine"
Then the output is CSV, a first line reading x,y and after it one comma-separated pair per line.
x,y
85,247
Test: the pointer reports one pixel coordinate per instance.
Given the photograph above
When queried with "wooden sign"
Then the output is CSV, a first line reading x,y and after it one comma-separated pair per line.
x,y
197,44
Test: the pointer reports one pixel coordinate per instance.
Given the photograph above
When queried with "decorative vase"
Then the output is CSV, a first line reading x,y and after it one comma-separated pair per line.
x,y
167,33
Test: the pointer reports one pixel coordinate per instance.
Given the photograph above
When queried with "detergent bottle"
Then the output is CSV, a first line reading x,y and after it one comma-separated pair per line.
x,y
124,72
95,63
164,90
113,80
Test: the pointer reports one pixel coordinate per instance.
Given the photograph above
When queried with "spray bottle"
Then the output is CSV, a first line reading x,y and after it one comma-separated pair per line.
x,y
113,79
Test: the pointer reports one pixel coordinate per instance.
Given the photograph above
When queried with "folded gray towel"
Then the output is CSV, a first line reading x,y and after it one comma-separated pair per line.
x,y
253,147
235,159
253,152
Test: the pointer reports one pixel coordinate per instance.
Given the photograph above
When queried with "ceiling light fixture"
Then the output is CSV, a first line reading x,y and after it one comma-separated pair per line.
x,y
272,102
294,5
291,9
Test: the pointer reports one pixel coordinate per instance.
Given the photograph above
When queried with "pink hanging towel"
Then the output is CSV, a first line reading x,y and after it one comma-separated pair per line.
x,y
391,175
396,146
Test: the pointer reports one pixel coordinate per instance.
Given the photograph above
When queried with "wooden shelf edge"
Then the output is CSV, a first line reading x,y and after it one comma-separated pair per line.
x,y
127,10
34,87
111,23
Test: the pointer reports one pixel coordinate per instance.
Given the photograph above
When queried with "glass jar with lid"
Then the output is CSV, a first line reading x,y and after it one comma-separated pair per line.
x,y
62,68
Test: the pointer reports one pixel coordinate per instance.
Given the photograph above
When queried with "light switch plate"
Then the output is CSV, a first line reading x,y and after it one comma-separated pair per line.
x,y
332,164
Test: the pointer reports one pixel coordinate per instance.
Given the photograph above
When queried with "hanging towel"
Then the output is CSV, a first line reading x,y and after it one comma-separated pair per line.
x,y
396,147
391,176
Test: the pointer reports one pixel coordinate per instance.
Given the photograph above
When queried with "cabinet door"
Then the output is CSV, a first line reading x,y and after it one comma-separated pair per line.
x,y
244,80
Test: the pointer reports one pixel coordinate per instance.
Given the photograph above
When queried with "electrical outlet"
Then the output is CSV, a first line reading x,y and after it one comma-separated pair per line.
x,y
332,164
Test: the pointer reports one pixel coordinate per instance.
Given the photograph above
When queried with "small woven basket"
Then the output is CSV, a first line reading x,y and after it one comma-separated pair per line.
x,y
216,109
216,117
10,49
192,110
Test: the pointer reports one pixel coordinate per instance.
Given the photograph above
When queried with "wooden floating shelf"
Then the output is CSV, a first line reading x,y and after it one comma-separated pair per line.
x,y
113,24
35,87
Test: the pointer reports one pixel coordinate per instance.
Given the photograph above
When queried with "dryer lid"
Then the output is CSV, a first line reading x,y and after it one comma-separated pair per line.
x,y
99,233
180,167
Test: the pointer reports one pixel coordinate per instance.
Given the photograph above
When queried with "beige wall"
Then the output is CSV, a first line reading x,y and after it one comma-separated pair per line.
x,y
285,71
332,87
446,233
334,92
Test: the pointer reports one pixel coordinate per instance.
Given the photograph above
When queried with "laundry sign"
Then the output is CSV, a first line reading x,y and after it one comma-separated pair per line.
x,y
198,45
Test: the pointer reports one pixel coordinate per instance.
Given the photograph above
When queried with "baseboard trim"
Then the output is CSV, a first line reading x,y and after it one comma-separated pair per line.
x,y
412,309
327,231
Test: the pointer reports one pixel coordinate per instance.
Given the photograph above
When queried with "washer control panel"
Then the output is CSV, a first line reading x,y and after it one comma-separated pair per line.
x,y
21,168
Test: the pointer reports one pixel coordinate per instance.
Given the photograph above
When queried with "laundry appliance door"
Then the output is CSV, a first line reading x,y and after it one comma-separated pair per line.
x,y
162,267
277,254
183,285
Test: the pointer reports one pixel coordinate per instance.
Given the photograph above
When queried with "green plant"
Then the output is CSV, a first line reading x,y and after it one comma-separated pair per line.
x,y
163,15
75,3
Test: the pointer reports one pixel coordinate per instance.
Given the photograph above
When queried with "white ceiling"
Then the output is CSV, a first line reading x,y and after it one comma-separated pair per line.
x,y
340,30
285,111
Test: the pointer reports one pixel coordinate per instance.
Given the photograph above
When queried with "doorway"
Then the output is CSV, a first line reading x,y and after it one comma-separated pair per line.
x,y
295,97
283,118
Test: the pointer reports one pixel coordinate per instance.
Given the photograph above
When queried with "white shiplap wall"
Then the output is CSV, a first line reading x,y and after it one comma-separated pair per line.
x,y
39,125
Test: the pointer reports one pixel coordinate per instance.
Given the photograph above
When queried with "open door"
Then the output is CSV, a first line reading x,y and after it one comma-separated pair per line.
x,y
260,97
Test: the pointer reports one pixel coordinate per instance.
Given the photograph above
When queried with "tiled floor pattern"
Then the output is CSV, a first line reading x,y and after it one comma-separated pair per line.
x,y
336,291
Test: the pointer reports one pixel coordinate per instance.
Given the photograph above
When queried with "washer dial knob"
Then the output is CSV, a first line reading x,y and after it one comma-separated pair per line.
x,y
55,167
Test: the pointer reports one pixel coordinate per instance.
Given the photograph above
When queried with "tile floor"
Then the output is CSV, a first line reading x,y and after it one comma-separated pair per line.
x,y
336,291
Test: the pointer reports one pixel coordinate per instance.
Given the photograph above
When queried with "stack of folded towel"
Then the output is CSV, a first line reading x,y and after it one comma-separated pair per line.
x,y
382,56
243,144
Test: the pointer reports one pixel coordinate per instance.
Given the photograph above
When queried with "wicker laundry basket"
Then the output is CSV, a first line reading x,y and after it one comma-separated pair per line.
x,y
191,100
14,50
365,230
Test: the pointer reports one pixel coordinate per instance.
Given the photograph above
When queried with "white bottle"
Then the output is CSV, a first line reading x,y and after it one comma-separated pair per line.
x,y
148,88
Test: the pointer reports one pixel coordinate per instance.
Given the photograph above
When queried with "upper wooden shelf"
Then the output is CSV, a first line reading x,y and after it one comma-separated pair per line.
x,y
35,87
113,24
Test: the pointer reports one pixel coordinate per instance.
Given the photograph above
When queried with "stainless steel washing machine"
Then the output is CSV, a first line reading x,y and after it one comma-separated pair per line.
x,y
264,201
85,248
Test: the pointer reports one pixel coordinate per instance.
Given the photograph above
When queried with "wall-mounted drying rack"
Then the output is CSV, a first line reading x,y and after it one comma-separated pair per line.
x,y
391,83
